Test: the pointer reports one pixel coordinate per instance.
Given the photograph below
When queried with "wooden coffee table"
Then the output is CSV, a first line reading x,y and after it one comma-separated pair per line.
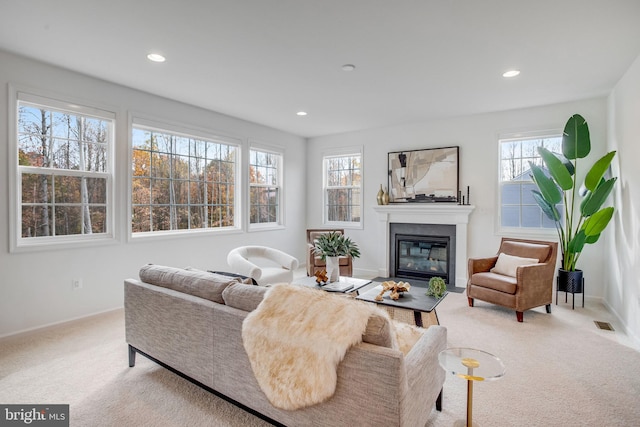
x,y
415,302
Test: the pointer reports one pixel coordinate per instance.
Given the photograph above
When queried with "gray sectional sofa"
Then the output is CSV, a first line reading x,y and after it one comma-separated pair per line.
x,y
190,321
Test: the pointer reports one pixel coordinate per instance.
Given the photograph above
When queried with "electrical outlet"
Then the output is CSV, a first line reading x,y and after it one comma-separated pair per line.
x,y
76,284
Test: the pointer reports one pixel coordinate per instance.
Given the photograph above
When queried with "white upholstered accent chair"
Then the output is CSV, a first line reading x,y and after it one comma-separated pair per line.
x,y
265,265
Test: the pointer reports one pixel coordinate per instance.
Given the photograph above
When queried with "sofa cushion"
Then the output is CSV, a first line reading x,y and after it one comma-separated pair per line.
x,y
190,281
379,332
243,279
495,281
508,264
242,296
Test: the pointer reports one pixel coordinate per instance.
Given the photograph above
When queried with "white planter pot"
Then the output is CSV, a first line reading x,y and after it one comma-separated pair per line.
x,y
333,268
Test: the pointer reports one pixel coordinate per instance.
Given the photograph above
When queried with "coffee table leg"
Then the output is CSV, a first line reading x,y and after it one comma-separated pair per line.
x,y
417,317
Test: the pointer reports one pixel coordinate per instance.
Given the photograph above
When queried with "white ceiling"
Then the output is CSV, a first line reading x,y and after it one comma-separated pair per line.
x,y
264,60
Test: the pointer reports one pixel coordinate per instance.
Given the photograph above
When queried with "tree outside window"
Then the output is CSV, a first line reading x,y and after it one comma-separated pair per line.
x,y
342,181
265,171
64,171
518,209
180,182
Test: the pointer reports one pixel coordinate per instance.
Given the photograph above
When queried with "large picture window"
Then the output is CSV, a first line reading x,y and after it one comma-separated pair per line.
x,y
342,189
265,171
518,209
181,182
64,170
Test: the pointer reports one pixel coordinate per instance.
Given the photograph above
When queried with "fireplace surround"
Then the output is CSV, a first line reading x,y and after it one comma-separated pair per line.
x,y
431,214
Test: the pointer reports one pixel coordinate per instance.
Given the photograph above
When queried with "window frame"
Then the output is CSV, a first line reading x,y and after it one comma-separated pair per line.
x,y
337,153
278,151
167,126
547,232
61,104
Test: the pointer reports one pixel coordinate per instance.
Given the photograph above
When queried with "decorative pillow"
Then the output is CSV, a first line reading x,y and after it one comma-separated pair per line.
x,y
408,335
379,331
243,296
190,281
507,264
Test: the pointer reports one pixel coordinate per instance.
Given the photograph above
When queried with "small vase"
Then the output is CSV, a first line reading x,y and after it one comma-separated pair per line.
x,y
385,197
333,268
380,196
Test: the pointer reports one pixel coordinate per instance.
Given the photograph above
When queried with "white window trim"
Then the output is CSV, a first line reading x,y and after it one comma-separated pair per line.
x,y
71,104
341,152
519,232
274,149
156,123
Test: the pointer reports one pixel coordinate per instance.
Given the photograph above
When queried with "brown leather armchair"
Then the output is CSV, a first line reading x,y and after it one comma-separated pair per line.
x,y
515,283
316,263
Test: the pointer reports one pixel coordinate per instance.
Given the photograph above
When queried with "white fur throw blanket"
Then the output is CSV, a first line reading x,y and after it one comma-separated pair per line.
x,y
295,340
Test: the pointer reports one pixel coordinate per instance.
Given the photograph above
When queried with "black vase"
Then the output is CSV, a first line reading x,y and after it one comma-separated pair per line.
x,y
569,281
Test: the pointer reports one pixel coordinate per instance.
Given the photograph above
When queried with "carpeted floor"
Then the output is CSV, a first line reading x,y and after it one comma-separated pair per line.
x,y
561,371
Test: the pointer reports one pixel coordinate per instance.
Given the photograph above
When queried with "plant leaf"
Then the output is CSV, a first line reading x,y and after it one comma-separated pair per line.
x,y
557,169
597,222
597,171
546,185
549,210
576,143
595,199
577,243
592,239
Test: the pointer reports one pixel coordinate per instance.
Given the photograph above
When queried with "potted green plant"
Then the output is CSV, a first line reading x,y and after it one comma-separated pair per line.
x,y
332,245
437,287
581,221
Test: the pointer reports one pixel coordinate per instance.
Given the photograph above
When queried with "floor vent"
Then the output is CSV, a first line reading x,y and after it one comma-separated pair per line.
x,y
604,325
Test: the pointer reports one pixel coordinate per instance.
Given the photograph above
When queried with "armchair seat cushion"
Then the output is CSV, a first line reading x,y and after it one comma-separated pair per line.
x,y
498,282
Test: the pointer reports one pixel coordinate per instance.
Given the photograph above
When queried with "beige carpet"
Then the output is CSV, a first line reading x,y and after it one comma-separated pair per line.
x,y
561,371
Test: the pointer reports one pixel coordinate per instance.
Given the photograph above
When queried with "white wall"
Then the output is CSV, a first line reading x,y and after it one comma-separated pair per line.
x,y
622,254
35,288
477,137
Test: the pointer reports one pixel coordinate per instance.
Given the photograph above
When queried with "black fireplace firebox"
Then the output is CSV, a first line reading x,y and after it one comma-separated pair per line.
x,y
422,257
422,251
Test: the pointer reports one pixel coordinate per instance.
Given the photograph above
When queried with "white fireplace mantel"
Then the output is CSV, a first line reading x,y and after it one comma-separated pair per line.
x,y
426,213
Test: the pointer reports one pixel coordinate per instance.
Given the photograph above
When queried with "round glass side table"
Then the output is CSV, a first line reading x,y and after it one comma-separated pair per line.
x,y
471,365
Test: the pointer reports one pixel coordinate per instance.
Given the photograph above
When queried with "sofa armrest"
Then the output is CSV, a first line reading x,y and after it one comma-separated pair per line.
x,y
481,265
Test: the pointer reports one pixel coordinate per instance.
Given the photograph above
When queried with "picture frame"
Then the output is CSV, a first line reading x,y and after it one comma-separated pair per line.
x,y
424,176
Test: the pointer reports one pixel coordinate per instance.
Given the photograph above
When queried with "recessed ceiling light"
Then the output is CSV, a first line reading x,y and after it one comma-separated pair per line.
x,y
156,57
301,113
348,67
511,73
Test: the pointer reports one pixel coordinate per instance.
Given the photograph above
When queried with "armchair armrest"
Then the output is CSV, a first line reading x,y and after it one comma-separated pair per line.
x,y
480,265
535,285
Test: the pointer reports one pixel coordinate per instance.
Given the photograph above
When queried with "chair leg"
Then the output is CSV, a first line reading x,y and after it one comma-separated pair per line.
x,y
470,301
548,306
439,402
519,315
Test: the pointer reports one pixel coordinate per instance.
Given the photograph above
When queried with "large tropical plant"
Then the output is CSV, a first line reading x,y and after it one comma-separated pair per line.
x,y
334,244
582,221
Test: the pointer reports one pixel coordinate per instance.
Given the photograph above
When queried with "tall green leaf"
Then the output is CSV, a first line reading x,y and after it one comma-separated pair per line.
x,y
598,170
597,222
547,186
576,143
595,199
556,168
577,243
549,210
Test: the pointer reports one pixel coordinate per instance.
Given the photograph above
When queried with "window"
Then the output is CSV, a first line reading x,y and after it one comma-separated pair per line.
x,y
265,170
64,171
180,182
518,209
342,189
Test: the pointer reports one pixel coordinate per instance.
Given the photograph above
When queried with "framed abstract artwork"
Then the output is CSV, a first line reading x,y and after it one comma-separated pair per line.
x,y
429,175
